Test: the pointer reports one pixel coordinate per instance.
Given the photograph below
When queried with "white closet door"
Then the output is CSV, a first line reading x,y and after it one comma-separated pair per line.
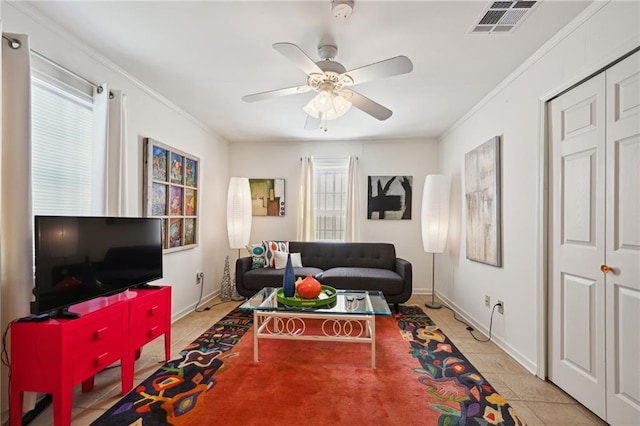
x,y
577,294
623,242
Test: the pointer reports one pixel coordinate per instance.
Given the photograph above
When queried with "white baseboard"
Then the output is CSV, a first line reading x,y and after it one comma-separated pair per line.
x,y
186,311
517,356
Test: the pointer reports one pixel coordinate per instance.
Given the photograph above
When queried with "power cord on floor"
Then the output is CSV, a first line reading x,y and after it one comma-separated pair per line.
x,y
200,298
206,308
470,328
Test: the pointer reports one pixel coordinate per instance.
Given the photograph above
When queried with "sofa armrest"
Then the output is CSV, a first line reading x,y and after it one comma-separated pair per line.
x,y
405,270
243,265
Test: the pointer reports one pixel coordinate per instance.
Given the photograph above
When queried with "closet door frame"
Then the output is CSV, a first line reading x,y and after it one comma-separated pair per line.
x,y
543,203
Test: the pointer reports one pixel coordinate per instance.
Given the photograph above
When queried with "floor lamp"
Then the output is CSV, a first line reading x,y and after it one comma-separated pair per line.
x,y
238,222
435,223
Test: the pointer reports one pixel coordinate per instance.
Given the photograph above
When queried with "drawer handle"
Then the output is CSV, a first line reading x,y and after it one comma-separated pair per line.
x,y
98,361
152,331
100,333
153,310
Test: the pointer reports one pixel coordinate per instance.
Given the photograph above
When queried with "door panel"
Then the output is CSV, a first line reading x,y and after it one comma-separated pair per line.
x,y
578,307
578,225
579,118
623,242
576,332
627,211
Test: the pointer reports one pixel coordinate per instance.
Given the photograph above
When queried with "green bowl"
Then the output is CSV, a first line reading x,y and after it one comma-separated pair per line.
x,y
327,296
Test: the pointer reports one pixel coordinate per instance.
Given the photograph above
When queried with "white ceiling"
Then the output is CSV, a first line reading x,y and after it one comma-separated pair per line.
x,y
205,55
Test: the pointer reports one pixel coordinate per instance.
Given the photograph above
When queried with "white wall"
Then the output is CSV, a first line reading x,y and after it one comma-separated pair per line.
x,y
607,31
149,115
416,158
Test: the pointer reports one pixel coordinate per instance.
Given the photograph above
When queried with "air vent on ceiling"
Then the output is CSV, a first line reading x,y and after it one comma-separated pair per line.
x,y
502,16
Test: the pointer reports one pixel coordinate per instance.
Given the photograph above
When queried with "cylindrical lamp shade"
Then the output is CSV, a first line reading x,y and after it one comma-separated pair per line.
x,y
435,213
239,212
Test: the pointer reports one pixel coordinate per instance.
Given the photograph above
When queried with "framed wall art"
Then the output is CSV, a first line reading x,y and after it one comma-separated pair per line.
x,y
267,197
482,197
171,193
389,197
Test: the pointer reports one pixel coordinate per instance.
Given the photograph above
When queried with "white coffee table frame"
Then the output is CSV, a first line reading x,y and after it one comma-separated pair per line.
x,y
335,327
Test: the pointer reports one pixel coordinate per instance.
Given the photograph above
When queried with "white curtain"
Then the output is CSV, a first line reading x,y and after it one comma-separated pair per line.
x,y
100,137
352,225
110,137
306,218
117,155
16,227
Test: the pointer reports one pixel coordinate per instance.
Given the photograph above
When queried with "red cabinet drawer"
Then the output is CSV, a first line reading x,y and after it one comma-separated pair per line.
x,y
97,359
144,333
149,309
96,332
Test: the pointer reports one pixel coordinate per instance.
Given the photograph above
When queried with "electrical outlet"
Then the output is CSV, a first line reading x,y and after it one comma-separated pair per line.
x,y
500,307
199,278
487,301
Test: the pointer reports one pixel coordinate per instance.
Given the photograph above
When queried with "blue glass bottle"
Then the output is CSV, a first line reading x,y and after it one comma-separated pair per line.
x,y
289,279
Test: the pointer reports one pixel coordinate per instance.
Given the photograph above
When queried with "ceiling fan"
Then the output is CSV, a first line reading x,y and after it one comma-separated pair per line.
x,y
333,82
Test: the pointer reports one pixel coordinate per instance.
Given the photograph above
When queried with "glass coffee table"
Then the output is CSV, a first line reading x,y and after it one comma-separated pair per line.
x,y
351,318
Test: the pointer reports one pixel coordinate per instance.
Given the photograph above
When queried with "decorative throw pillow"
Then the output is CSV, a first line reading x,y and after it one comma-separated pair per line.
x,y
281,259
257,255
273,246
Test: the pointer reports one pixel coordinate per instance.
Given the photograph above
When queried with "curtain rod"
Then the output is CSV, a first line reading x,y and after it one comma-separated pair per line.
x,y
328,158
60,67
14,43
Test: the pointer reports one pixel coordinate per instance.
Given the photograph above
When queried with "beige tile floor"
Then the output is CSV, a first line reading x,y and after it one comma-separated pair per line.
x,y
537,402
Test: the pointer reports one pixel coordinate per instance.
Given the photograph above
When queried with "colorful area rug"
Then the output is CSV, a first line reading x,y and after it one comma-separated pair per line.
x,y
421,379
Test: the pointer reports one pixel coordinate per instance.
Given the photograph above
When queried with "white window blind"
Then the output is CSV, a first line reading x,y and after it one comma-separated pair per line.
x,y
330,193
63,152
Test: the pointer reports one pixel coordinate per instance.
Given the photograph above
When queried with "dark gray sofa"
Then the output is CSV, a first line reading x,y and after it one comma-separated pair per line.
x,y
348,266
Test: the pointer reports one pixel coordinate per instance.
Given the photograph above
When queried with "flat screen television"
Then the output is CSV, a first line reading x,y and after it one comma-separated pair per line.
x,y
80,258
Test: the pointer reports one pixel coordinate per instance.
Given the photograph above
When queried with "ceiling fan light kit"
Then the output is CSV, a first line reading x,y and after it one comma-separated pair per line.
x,y
327,106
331,81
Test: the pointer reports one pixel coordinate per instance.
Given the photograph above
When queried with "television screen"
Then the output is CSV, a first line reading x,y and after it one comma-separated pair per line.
x,y
80,258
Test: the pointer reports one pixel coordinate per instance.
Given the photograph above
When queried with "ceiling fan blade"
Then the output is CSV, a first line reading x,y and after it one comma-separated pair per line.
x,y
276,93
298,57
311,123
387,68
365,104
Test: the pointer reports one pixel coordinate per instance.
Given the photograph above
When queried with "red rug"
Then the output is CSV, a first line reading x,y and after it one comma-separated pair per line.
x,y
322,383
421,379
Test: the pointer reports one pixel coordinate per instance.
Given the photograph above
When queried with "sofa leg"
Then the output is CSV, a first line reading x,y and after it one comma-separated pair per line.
x,y
396,308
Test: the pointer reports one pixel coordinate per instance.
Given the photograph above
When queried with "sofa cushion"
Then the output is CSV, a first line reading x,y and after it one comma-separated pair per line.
x,y
281,259
326,255
257,253
272,246
383,280
256,279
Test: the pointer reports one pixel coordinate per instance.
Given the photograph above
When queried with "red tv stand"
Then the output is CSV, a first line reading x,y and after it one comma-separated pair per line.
x,y
55,355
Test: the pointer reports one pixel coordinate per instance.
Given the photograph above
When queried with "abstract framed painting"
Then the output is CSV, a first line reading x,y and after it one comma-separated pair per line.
x,y
389,197
483,203
171,193
267,197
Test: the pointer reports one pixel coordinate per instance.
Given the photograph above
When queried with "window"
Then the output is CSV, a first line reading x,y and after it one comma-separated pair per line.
x,y
67,165
330,195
